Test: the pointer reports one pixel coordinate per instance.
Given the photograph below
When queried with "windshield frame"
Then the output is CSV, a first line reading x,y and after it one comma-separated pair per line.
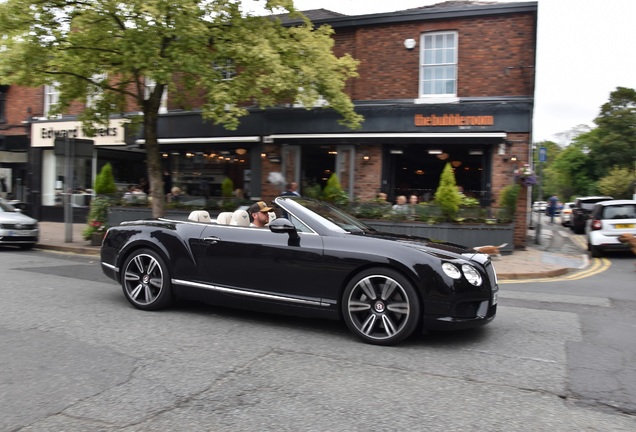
x,y
327,216
5,207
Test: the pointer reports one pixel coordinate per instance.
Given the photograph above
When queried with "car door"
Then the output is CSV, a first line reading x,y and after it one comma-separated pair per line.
x,y
258,260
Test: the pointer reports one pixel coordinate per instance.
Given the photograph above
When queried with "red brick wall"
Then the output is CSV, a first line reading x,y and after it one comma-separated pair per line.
x,y
368,173
488,46
18,101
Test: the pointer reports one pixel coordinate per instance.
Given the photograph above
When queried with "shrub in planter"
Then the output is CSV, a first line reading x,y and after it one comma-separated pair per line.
x,y
97,220
508,201
333,191
447,196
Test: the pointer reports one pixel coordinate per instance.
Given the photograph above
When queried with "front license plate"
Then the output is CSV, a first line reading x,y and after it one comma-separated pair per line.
x,y
20,233
619,226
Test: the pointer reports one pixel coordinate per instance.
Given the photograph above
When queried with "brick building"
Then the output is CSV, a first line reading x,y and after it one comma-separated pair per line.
x,y
448,83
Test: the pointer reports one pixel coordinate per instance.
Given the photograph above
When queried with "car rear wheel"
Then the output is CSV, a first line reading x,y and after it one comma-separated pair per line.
x,y
595,251
145,280
381,307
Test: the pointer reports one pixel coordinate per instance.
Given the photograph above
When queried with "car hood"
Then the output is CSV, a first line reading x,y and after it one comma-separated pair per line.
x,y
15,217
439,248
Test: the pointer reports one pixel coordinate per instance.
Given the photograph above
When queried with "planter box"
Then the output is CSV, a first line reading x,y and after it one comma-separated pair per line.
x,y
470,235
117,215
97,239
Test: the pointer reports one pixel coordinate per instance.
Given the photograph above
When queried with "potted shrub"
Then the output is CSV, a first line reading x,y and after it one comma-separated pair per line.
x,y
97,220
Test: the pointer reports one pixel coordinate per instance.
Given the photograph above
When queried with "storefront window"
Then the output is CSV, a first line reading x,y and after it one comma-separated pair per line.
x,y
82,181
202,173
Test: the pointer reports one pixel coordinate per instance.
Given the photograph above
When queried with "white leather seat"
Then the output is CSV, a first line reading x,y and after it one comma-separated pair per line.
x,y
224,218
199,216
240,218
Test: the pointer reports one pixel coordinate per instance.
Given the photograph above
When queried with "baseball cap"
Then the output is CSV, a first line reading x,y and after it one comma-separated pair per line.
x,y
259,207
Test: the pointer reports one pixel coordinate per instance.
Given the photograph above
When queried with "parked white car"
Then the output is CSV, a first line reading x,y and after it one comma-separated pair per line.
x,y
539,206
17,228
566,214
608,220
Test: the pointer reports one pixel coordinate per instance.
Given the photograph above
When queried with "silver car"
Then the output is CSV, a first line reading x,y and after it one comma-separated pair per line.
x,y
17,228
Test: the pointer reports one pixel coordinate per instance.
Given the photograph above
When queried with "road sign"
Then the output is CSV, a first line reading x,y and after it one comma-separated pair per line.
x,y
543,154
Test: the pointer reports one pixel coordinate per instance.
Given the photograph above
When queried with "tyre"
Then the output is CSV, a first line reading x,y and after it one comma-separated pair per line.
x,y
595,251
146,280
578,229
381,307
27,246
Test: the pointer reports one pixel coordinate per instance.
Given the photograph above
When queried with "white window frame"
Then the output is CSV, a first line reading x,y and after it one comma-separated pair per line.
x,y
438,66
91,99
51,97
149,86
227,70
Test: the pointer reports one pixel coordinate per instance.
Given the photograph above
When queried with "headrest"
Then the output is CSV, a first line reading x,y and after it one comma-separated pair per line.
x,y
240,218
224,218
199,216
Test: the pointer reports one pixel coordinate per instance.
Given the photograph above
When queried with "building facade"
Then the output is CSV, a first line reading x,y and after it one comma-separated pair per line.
x,y
449,83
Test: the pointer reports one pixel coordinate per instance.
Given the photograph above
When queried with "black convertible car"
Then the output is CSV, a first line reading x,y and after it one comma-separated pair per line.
x,y
312,260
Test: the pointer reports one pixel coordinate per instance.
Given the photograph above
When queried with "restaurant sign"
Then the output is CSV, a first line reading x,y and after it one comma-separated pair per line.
x,y
454,120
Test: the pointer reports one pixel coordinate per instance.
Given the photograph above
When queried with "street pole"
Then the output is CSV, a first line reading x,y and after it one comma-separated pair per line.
x,y
542,158
68,196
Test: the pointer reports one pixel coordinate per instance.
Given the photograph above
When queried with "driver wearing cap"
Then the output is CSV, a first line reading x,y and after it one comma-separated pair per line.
x,y
260,214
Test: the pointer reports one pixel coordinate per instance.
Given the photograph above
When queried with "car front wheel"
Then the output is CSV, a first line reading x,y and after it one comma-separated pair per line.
x,y
381,307
145,280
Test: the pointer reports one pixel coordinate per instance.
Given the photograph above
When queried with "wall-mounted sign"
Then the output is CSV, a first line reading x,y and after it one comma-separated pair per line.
x,y
43,134
453,120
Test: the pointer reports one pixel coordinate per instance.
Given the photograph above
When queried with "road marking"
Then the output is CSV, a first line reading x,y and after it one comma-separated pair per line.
x,y
599,265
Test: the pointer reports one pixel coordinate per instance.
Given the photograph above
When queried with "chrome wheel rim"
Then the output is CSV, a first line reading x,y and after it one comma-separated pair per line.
x,y
378,307
143,279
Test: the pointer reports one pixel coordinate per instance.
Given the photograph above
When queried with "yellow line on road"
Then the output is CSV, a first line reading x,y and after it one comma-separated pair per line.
x,y
599,265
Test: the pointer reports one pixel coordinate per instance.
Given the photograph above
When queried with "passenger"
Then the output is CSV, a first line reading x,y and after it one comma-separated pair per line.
x,y
260,214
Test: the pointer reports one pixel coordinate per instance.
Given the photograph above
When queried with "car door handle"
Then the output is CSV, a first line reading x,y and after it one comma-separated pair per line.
x,y
213,240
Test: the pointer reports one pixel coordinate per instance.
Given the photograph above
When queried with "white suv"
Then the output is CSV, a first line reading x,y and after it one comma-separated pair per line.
x,y
608,220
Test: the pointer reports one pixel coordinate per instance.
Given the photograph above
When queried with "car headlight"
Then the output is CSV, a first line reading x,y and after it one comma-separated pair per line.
x,y
471,275
451,270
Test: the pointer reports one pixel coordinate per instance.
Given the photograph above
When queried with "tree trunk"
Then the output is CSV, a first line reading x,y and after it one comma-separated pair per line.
x,y
153,156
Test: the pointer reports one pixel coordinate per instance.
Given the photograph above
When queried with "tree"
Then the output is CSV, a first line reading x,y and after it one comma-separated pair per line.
x,y
447,196
616,133
619,183
106,51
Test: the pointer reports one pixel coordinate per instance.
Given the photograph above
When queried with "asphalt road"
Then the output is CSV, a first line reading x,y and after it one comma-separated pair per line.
x,y
76,357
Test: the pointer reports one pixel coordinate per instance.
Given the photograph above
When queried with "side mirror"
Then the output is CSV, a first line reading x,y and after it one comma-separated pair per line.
x,y
282,226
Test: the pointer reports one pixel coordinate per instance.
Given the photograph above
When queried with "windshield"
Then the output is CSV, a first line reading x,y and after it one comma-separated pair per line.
x,y
6,207
328,216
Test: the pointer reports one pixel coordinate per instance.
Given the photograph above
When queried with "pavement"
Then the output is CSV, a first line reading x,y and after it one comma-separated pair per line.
x,y
558,251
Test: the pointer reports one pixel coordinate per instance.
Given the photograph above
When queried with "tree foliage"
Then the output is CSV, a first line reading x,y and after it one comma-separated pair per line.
x,y
619,183
105,51
582,167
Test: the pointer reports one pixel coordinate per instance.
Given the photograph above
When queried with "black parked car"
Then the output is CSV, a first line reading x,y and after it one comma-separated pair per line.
x,y
316,261
581,211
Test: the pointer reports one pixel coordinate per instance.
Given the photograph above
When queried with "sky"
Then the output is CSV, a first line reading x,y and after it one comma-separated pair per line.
x,y
585,49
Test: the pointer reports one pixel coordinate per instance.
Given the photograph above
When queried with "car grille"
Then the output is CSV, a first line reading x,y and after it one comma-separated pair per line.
x,y
466,310
18,239
18,226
